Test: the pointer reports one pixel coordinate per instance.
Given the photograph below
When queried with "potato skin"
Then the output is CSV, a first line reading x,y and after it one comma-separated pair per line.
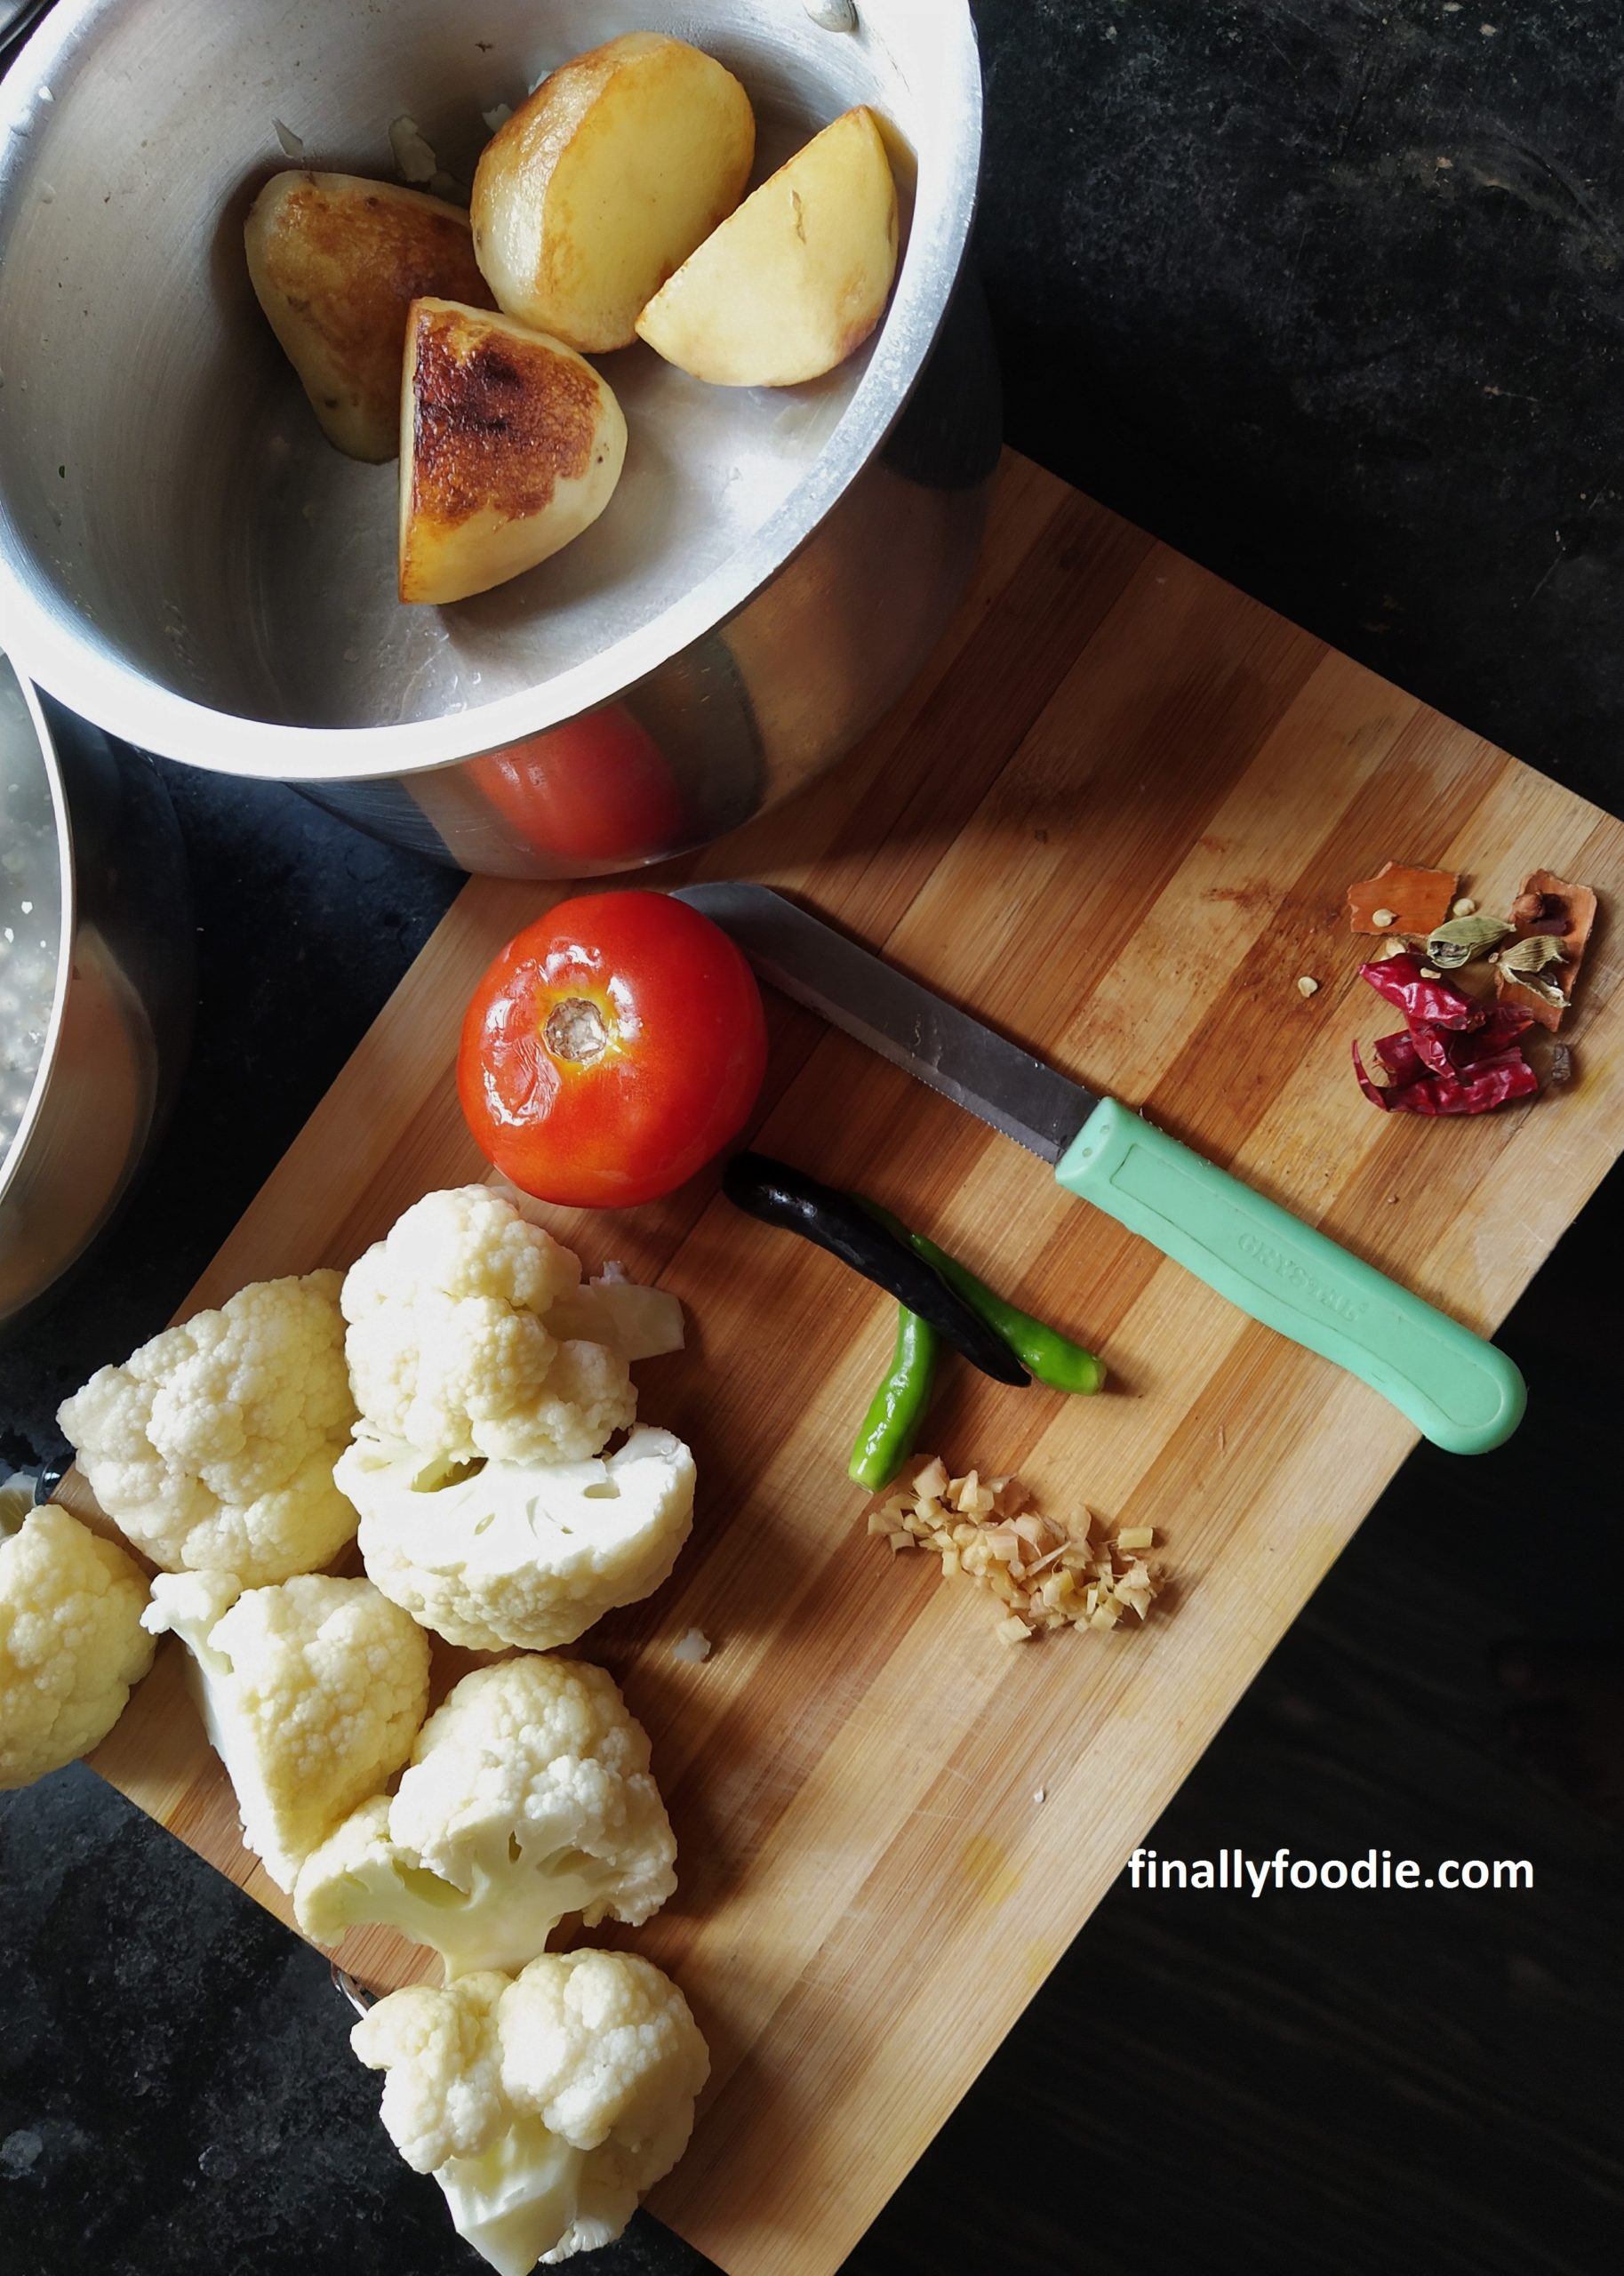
x,y
603,182
336,262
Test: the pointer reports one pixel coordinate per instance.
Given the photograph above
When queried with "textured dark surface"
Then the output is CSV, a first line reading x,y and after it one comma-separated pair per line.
x,y
1331,295
1240,299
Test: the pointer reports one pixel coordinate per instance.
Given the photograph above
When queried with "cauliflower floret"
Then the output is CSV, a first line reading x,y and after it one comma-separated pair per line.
x,y
213,1446
527,1556
595,2063
449,1349
71,1641
312,1693
443,2096
528,1798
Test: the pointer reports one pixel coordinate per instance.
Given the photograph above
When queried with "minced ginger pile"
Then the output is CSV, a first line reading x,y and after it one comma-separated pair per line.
x,y
1051,1573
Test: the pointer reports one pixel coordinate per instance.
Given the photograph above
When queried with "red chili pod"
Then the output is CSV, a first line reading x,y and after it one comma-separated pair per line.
x,y
1449,1051
1400,980
1491,1082
1432,1046
1399,1055
1487,1084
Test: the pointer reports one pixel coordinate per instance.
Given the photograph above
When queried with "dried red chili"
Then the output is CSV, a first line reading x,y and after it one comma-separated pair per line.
x,y
1400,979
1487,1084
1454,1056
1398,1055
1448,1051
1505,1023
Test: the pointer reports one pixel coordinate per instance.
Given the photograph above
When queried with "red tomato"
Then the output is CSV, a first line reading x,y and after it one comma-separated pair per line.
x,y
612,1048
598,789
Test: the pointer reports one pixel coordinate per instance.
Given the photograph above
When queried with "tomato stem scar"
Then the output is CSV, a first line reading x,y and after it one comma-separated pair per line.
x,y
575,1030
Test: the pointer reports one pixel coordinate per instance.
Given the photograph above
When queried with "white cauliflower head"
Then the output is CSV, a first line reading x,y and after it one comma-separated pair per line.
x,y
212,1448
443,2096
312,1693
520,1555
528,1798
71,1642
544,2107
449,1347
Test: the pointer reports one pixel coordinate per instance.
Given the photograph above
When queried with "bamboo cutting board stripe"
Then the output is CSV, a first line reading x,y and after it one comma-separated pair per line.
x,y
1116,817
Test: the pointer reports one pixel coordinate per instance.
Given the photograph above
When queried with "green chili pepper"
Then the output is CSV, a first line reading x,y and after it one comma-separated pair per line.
x,y
891,1424
849,1228
1054,1358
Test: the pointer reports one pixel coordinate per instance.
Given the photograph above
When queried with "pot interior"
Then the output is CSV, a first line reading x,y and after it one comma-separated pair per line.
x,y
164,490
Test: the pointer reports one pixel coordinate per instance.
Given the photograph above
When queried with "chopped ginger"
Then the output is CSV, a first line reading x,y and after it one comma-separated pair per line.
x,y
1046,1573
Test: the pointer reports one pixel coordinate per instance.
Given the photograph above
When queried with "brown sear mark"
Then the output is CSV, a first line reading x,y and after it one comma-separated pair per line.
x,y
498,422
352,265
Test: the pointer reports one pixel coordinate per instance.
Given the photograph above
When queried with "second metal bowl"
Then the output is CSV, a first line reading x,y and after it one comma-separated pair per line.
x,y
117,982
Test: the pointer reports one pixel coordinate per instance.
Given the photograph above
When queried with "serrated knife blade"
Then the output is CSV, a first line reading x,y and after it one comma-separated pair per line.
x,y
871,1000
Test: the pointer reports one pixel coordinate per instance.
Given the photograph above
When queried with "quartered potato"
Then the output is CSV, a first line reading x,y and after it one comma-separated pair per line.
x,y
794,280
510,446
603,182
336,262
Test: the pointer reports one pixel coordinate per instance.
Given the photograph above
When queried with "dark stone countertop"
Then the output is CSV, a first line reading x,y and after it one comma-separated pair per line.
x,y
1333,298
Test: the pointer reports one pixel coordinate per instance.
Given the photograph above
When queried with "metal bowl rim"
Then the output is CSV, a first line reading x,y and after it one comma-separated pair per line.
x,y
11,1160
122,700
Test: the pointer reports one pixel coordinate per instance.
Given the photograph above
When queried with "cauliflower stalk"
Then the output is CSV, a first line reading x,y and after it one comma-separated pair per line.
x,y
212,1448
528,1798
517,1554
311,1692
639,1322
71,1639
544,2105
449,1347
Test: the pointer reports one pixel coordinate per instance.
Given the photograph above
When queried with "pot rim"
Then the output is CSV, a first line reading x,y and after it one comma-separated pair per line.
x,y
69,657
13,1157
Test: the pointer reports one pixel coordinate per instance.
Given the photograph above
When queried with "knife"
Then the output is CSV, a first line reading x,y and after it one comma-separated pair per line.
x,y
1460,1391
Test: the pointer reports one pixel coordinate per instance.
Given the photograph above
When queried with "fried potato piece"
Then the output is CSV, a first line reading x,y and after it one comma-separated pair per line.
x,y
336,262
604,181
511,445
796,280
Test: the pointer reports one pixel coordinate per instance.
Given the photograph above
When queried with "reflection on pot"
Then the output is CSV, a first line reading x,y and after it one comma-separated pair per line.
x,y
596,790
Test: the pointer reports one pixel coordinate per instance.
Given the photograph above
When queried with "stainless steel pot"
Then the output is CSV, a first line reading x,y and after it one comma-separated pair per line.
x,y
120,999
185,560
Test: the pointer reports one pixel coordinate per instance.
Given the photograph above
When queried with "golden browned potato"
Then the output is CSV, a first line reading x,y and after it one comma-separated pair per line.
x,y
797,278
603,182
336,262
510,446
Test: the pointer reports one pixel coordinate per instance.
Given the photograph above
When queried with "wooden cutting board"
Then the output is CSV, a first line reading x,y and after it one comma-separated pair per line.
x,y
1116,818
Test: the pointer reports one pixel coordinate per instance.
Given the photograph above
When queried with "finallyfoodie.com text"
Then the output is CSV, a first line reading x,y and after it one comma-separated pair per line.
x,y
1233,1868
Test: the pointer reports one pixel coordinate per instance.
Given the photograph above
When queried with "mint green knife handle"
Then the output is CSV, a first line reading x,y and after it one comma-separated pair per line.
x,y
1462,1393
